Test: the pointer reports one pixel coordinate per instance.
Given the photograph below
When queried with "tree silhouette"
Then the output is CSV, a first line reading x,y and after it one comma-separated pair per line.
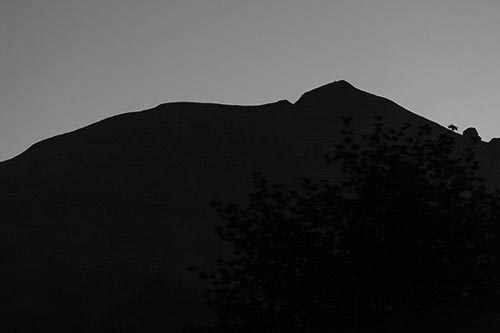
x,y
406,240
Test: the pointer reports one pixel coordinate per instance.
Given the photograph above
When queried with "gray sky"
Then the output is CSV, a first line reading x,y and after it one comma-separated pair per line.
x,y
66,63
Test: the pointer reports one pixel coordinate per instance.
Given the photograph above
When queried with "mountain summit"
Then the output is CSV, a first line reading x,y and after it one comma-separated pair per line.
x,y
103,221
326,92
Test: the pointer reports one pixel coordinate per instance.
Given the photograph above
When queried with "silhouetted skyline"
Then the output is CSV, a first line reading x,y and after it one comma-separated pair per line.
x,y
100,225
65,64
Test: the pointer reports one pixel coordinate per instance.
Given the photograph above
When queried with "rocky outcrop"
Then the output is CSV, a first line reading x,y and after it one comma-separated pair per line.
x,y
472,134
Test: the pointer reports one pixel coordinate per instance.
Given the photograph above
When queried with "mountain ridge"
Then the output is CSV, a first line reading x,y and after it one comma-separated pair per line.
x,y
316,99
95,219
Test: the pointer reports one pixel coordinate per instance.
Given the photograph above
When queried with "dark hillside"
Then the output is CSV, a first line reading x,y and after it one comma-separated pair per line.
x,y
100,224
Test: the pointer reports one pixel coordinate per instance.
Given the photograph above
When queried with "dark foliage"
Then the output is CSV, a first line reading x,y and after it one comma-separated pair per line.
x,y
406,241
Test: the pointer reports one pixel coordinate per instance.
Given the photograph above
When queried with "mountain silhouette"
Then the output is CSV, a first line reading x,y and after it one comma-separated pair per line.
x,y
99,225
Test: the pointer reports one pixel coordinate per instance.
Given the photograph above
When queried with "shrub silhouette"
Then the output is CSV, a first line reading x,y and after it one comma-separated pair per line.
x,y
406,240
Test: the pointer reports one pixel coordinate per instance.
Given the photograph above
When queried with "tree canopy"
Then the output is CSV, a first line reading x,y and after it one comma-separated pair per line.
x,y
406,240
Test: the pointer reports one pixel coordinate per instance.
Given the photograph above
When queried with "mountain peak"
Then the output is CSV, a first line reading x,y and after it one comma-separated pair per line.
x,y
341,83
335,87
335,93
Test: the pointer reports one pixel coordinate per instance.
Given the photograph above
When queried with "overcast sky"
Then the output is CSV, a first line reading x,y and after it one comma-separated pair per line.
x,y
66,63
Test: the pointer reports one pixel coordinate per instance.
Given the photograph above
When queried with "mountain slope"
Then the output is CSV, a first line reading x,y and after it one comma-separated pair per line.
x,y
102,221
